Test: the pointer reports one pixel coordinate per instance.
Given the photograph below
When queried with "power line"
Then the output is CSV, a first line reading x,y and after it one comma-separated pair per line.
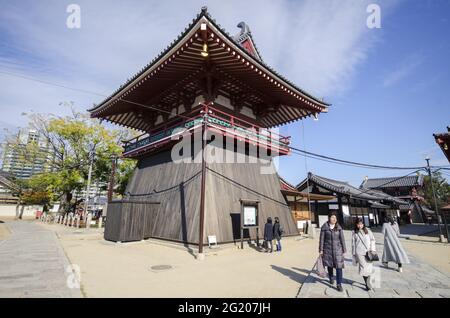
x,y
51,83
299,151
91,92
356,164
353,162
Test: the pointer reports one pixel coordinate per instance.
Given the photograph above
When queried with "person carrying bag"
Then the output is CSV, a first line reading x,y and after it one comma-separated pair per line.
x,y
320,269
363,251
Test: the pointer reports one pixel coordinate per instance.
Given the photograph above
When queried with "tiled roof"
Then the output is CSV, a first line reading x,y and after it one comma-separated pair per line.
x,y
341,187
203,13
286,185
244,35
446,134
393,182
443,140
384,196
344,188
378,205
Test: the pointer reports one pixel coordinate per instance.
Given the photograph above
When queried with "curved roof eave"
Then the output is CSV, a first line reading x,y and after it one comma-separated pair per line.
x,y
185,34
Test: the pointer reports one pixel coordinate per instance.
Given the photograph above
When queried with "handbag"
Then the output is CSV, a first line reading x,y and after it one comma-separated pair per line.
x,y
320,269
370,256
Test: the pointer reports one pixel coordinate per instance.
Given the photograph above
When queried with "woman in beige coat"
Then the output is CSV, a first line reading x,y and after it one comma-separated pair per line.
x,y
363,241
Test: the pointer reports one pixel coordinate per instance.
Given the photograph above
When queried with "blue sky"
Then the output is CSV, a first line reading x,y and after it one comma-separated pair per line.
x,y
390,87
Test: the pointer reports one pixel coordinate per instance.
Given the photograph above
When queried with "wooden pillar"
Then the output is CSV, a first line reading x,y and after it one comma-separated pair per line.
x,y
341,212
203,182
316,205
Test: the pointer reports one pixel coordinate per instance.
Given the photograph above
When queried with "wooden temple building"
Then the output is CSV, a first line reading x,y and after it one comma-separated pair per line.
x,y
348,201
207,81
408,189
302,204
443,141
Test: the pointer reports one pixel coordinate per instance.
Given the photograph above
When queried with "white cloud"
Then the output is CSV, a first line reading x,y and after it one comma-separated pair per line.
x,y
316,44
404,69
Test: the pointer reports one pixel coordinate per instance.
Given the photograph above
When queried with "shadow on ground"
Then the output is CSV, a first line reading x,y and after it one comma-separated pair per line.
x,y
292,274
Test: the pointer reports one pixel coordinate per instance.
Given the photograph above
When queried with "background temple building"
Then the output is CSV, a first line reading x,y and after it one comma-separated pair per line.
x,y
303,204
348,202
205,80
409,189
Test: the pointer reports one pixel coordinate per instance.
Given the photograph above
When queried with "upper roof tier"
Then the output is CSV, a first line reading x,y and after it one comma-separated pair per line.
x,y
443,140
207,64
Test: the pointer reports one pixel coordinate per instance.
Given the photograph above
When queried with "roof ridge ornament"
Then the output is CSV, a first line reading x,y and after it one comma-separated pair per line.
x,y
245,40
245,29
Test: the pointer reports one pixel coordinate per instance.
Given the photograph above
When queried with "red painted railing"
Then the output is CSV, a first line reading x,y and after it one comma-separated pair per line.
x,y
226,123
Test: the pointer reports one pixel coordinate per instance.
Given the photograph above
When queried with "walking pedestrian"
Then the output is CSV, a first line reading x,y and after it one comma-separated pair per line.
x,y
363,242
268,235
277,232
332,248
393,250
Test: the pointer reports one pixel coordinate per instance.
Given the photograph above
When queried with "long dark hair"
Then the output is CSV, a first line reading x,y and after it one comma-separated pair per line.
x,y
337,223
269,220
389,219
356,229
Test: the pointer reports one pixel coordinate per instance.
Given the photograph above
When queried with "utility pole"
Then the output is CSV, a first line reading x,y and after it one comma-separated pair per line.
x,y
88,187
441,236
112,179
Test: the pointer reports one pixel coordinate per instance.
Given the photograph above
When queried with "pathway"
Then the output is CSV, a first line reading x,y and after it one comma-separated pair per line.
x,y
33,264
418,279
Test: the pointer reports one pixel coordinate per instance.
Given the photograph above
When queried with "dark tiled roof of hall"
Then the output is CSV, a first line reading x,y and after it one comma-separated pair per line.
x,y
393,182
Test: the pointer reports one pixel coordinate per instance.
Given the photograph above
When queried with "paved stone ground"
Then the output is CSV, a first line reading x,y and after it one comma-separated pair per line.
x,y
33,264
418,280
418,231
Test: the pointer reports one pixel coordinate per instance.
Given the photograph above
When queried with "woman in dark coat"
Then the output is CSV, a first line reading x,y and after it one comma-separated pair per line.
x,y
268,234
277,231
332,248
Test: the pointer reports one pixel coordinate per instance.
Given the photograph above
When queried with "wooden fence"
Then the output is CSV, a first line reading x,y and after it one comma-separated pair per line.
x,y
128,221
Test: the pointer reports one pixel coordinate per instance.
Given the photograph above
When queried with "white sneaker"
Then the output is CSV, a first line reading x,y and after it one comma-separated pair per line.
x,y
400,270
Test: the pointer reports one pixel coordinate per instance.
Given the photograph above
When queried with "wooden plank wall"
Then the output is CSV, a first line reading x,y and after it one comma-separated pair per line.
x,y
177,187
130,221
227,183
113,226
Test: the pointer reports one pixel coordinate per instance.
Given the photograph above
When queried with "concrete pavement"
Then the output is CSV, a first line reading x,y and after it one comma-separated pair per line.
x,y
155,268
418,280
33,264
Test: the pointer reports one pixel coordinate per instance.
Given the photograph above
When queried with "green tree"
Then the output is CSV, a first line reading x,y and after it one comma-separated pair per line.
x,y
441,187
75,141
125,169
